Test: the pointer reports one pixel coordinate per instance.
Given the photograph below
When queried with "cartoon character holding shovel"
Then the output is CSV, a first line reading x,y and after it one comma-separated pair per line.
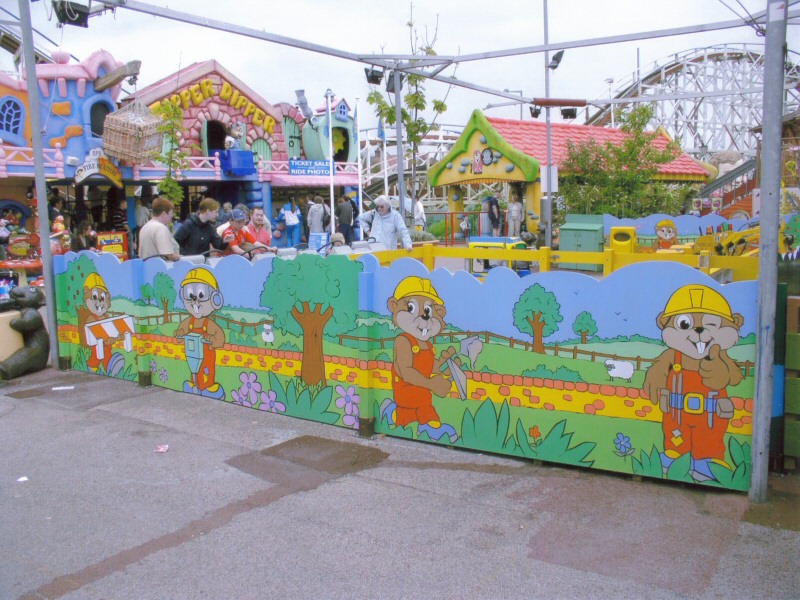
x,y
201,334
419,312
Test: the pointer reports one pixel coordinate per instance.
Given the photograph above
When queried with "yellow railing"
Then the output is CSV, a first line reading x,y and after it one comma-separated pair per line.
x,y
723,268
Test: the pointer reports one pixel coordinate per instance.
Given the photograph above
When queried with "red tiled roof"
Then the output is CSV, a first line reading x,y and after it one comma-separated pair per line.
x,y
530,137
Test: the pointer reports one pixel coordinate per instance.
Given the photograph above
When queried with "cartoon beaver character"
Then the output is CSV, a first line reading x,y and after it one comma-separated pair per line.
x,y
97,301
419,311
688,381
202,335
33,355
666,234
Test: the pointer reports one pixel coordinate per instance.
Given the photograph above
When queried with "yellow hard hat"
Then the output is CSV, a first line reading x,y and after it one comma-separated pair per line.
x,y
200,276
95,281
698,299
416,286
665,223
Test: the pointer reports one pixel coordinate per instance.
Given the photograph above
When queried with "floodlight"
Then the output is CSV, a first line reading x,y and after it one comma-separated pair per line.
x,y
374,76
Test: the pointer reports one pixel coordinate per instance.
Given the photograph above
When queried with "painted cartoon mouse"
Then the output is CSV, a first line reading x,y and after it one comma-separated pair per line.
x,y
688,381
419,312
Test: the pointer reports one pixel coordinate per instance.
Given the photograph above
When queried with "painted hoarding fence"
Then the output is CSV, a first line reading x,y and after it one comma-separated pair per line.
x,y
649,371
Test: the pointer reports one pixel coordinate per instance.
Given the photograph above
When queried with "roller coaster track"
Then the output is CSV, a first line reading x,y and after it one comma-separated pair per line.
x,y
708,99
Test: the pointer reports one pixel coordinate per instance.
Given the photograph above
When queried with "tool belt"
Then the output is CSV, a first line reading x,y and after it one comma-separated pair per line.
x,y
694,403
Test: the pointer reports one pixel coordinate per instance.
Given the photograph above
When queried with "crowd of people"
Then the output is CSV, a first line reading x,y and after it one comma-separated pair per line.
x,y
244,230
227,229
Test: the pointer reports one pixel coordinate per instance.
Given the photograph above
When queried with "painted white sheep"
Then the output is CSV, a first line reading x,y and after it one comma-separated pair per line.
x,y
620,368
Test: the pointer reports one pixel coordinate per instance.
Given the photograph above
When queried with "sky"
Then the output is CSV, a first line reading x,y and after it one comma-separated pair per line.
x,y
380,26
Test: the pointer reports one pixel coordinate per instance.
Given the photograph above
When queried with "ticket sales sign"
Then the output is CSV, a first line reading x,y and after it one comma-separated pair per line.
x,y
309,167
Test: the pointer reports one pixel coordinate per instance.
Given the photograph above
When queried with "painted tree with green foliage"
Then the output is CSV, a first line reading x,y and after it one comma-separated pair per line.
x,y
537,313
584,326
619,178
309,296
415,100
164,293
70,285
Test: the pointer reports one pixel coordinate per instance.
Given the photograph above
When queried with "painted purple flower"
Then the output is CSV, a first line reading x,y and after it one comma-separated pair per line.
x,y
352,420
348,400
153,367
250,389
163,375
269,402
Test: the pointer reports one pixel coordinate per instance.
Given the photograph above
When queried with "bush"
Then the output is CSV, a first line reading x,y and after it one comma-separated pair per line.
x,y
422,236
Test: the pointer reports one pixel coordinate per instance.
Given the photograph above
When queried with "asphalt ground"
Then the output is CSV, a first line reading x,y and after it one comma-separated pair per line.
x,y
247,504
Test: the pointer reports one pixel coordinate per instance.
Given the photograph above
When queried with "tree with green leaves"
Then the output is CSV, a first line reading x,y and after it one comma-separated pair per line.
x,y
537,313
70,285
619,178
412,114
164,293
584,326
309,296
173,156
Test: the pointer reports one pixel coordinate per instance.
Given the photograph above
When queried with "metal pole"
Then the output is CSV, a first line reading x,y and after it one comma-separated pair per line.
x,y
548,207
401,184
521,99
360,180
768,251
331,166
40,183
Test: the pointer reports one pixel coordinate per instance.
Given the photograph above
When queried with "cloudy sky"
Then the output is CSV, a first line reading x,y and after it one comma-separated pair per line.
x,y
380,26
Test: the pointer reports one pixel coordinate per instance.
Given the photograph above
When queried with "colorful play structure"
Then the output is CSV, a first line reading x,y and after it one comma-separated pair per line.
x,y
642,364
241,148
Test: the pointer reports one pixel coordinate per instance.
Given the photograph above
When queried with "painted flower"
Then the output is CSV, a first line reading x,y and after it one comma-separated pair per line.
x,y
352,419
348,400
269,402
163,375
623,445
153,367
250,389
534,432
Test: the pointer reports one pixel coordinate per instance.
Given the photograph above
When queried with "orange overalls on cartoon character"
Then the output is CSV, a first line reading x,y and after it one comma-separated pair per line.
x,y
691,425
666,233
206,373
418,311
689,381
202,336
99,332
415,403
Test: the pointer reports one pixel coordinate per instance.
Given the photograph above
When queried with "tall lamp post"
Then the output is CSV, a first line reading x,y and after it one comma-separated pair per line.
x,y
547,213
397,84
331,165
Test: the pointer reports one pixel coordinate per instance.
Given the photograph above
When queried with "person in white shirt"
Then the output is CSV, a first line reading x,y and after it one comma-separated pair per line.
x,y
384,225
155,238
514,215
420,223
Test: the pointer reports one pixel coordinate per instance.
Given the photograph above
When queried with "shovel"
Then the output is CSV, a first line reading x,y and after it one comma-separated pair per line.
x,y
470,347
458,376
